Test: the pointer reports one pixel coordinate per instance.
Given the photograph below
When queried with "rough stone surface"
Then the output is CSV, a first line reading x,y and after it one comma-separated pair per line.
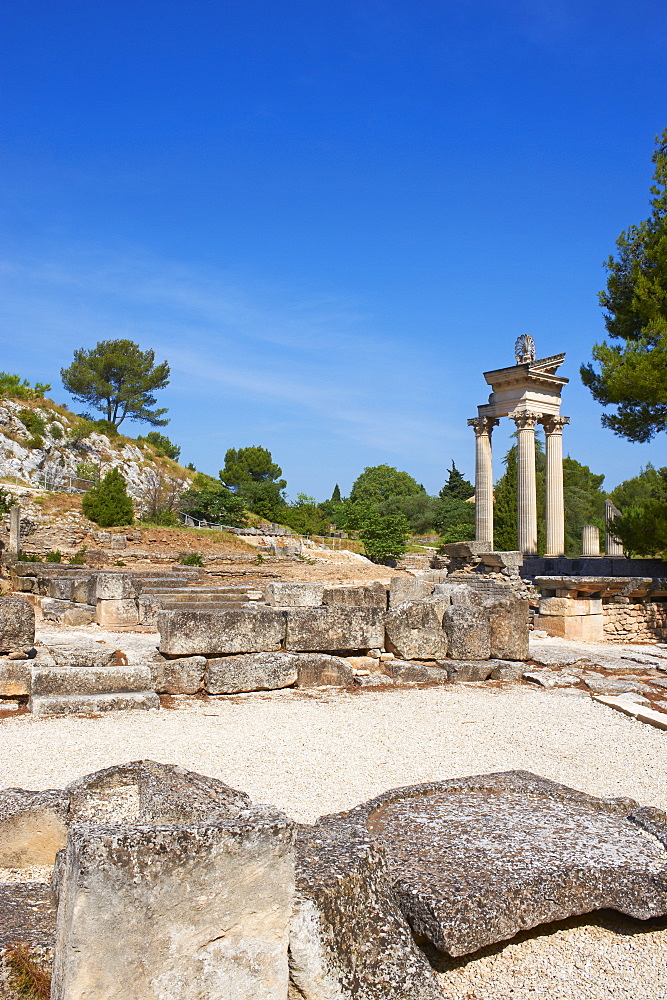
x,y
92,704
116,612
78,614
458,593
89,680
412,672
580,628
219,633
80,651
14,678
413,630
148,608
509,628
251,672
183,676
294,595
320,670
551,678
333,627
348,938
506,670
114,587
468,632
614,685
468,670
216,901
408,588
570,606
17,624
372,596
475,860
32,827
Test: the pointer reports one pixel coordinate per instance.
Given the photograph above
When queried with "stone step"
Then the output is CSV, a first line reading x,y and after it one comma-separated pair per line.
x,y
202,605
199,596
89,680
92,704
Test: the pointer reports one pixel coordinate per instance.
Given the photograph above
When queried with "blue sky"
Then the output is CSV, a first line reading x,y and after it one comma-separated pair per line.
x,y
330,218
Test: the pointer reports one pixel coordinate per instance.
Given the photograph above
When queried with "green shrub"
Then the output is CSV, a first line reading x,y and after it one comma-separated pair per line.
x,y
108,503
32,421
28,557
6,501
191,559
56,556
162,445
79,558
18,388
82,429
36,441
56,431
89,471
106,427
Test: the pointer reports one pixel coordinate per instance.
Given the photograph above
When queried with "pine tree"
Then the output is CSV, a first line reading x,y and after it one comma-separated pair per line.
x,y
456,486
335,496
108,503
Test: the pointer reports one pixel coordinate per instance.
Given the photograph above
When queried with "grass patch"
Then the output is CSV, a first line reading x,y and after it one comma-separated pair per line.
x,y
26,976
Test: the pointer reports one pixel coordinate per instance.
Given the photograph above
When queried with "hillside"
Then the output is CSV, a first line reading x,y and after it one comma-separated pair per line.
x,y
43,444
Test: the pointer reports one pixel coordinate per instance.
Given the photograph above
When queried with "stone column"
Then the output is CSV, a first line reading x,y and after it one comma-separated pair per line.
x,y
590,541
613,546
14,529
483,427
555,510
527,504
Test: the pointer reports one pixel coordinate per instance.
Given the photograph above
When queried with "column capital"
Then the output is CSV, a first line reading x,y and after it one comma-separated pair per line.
x,y
525,419
483,425
554,424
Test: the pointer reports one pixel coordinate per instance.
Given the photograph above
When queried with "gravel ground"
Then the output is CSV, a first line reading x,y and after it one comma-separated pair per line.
x,y
313,753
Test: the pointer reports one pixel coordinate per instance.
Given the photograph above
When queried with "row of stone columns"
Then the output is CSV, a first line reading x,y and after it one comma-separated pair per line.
x,y
527,491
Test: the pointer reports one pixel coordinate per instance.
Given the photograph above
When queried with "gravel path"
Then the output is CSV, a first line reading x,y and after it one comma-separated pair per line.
x,y
313,753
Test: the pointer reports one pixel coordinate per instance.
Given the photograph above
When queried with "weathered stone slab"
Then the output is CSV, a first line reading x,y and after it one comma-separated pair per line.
x,y
78,614
121,612
615,685
372,596
475,860
581,628
468,632
89,680
506,670
412,672
114,587
509,628
551,678
251,672
80,652
14,678
183,911
413,630
333,627
32,827
148,608
294,595
458,593
348,938
320,670
570,606
184,676
556,656
93,704
17,624
408,588
468,670
219,633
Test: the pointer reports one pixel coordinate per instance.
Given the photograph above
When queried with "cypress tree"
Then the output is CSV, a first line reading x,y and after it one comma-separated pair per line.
x,y
108,503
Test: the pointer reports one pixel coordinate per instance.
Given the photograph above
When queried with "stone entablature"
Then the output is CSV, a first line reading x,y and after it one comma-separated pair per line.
x,y
592,609
529,393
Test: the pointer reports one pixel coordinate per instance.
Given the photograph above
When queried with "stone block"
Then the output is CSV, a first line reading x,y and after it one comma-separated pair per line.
x,y
218,633
184,911
114,587
78,614
458,593
78,652
333,627
583,628
14,678
43,705
17,624
118,542
89,680
509,628
468,670
53,611
506,670
251,672
32,827
468,632
83,591
372,596
322,670
117,612
61,588
570,606
348,938
413,630
294,595
184,676
148,608
408,588
411,672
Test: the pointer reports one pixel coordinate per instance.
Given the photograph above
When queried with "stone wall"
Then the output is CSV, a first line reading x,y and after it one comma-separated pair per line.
x,y
626,621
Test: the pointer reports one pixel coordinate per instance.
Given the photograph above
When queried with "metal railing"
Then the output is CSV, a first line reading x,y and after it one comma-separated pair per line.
x,y
60,483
